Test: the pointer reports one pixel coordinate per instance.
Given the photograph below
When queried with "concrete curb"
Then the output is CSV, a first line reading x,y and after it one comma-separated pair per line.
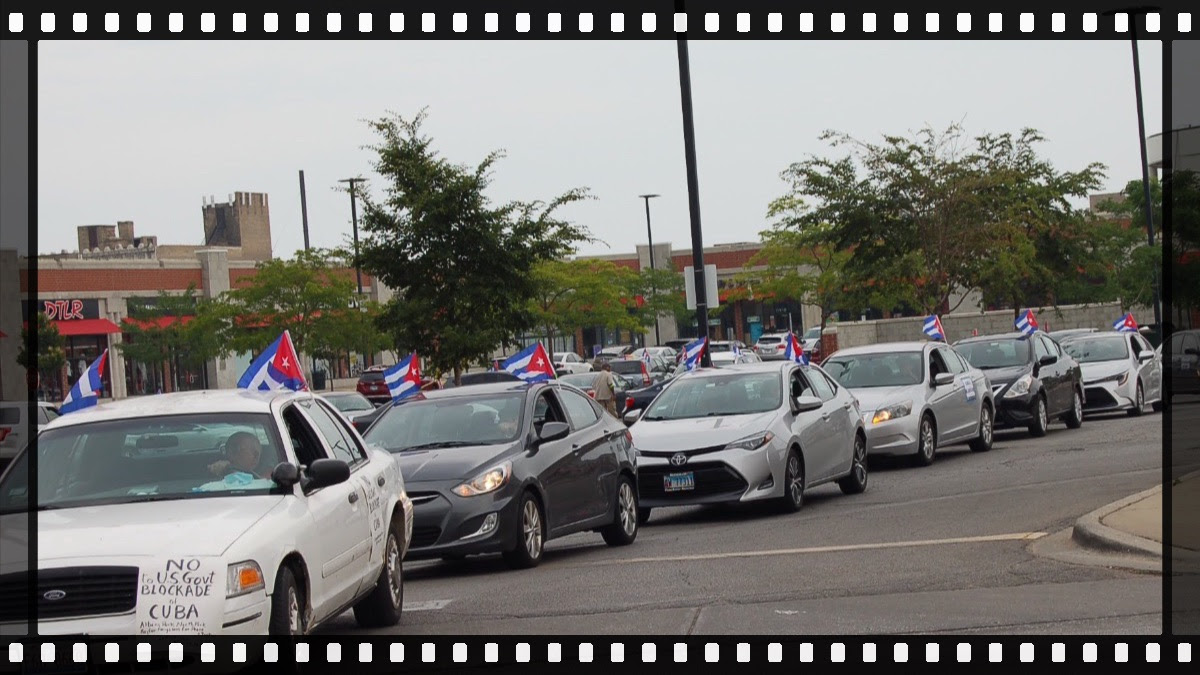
x,y
1090,532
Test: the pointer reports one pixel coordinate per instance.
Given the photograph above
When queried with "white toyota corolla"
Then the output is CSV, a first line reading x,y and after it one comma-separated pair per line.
x,y
209,512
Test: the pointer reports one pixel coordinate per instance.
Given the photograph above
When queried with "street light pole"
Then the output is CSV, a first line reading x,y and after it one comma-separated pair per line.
x,y
650,240
1137,87
354,225
689,147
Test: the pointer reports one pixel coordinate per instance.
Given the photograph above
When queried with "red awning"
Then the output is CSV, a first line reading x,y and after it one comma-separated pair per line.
x,y
86,327
157,322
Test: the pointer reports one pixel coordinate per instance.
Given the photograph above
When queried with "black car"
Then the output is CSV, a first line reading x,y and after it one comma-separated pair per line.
x,y
1033,379
502,468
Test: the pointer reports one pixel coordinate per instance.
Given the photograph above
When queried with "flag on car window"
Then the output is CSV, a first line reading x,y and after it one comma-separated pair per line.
x,y
1026,323
794,350
933,328
278,367
87,390
693,351
1126,324
404,378
531,364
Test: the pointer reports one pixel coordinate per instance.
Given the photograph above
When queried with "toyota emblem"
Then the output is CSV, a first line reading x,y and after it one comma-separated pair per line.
x,y
678,459
54,595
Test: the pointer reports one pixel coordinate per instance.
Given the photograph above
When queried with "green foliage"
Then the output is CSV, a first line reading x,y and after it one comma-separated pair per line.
x,y
50,355
1184,189
462,268
182,329
572,294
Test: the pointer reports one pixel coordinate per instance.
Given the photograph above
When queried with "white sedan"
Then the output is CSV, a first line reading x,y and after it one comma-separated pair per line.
x,y
570,363
210,512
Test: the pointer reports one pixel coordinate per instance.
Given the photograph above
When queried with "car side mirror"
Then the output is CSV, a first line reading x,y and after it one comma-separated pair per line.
x,y
552,431
286,474
942,379
632,416
1191,351
1145,356
1048,360
807,403
326,472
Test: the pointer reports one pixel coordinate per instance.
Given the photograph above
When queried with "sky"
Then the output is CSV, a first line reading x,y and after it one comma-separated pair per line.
x,y
144,131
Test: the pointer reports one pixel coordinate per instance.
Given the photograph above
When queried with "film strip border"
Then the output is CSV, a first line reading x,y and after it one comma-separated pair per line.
x,y
447,651
632,24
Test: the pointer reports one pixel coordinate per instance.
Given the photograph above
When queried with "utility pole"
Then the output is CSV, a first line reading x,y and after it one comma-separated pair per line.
x,y
653,285
689,143
304,210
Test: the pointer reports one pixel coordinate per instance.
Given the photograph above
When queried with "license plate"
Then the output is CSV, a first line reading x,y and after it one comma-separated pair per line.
x,y
674,482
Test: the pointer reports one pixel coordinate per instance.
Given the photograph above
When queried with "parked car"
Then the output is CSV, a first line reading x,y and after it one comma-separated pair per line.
x,y
570,362
747,433
586,382
14,425
726,346
1033,379
730,358
503,468
810,342
638,372
640,398
481,377
263,512
1060,334
771,346
1183,362
350,404
916,397
372,386
668,354
1120,371
618,352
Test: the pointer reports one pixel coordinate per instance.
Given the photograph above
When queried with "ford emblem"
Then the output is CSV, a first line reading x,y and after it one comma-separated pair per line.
x,y
678,459
54,595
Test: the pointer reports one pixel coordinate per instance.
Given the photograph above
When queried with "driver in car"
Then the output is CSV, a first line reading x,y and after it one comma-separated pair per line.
x,y
244,452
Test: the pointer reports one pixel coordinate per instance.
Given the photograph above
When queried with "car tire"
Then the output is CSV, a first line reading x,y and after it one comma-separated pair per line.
x,y
383,606
793,483
987,428
624,528
1139,402
531,534
1074,419
287,605
856,482
926,441
643,514
1040,420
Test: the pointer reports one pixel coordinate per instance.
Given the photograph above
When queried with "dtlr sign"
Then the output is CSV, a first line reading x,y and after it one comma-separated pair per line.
x,y
710,286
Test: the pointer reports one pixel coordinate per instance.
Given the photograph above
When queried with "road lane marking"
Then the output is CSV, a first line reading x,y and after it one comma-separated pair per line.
x,y
426,606
1015,536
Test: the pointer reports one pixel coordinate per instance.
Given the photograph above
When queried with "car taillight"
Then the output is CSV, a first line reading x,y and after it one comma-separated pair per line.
x,y
591,393
628,402
781,346
629,436
4,432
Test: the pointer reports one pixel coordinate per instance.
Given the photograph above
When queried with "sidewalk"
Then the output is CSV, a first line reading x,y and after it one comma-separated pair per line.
x,y
1134,526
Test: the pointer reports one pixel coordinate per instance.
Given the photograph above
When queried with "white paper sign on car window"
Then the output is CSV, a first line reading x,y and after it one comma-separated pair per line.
x,y
181,596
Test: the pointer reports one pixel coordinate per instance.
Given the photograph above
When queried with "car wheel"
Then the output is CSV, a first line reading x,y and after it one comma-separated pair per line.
x,y
625,521
793,483
983,442
1040,421
531,529
856,482
926,441
383,606
287,605
1139,402
1074,418
643,515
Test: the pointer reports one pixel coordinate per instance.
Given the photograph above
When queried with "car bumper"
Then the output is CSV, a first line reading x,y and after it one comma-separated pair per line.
x,y
246,615
1014,412
718,477
1108,396
900,436
446,524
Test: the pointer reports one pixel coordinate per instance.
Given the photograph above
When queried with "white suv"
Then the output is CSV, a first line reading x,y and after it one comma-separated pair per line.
x,y
14,425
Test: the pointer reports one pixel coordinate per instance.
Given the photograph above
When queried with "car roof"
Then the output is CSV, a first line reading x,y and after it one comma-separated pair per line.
x,y
1098,334
483,389
883,347
752,367
183,403
1014,335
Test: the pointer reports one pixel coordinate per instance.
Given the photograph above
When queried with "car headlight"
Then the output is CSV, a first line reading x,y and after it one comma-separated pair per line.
x,y
1020,387
751,442
489,481
242,578
892,412
1119,378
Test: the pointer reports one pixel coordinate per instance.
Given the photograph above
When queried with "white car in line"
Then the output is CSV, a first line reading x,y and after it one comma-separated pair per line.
x,y
570,363
13,425
1121,371
209,512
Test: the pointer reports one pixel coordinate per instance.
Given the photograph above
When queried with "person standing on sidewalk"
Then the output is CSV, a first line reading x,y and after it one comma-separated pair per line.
x,y
606,389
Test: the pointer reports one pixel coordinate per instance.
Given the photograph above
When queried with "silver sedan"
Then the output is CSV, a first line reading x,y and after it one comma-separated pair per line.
x,y
1120,371
748,432
917,397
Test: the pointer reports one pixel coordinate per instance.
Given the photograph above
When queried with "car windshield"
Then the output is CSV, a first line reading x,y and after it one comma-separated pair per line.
x,y
1091,350
372,376
151,459
987,354
459,421
812,333
350,403
714,347
764,340
718,396
628,367
858,371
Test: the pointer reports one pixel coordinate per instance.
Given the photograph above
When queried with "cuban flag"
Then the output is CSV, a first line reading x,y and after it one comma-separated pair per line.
x,y
794,351
531,364
277,367
404,378
646,355
1026,323
693,351
1125,324
736,350
933,328
86,392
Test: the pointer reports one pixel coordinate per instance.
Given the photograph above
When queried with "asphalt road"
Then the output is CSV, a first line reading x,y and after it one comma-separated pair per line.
x,y
941,549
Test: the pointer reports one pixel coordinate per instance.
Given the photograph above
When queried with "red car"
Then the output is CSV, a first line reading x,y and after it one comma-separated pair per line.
x,y
371,385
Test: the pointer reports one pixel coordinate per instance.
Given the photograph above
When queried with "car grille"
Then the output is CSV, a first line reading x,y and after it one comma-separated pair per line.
x,y
1098,397
425,536
712,478
87,591
689,453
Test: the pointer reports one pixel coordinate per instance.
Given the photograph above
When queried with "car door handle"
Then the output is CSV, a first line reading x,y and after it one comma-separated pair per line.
x,y
380,481
846,405
353,497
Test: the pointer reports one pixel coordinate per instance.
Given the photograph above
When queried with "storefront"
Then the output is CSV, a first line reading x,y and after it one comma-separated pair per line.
x,y
85,333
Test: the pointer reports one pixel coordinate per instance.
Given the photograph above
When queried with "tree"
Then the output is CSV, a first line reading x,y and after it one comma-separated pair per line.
x,y
1184,189
182,330
1130,263
50,356
462,268
573,294
662,292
